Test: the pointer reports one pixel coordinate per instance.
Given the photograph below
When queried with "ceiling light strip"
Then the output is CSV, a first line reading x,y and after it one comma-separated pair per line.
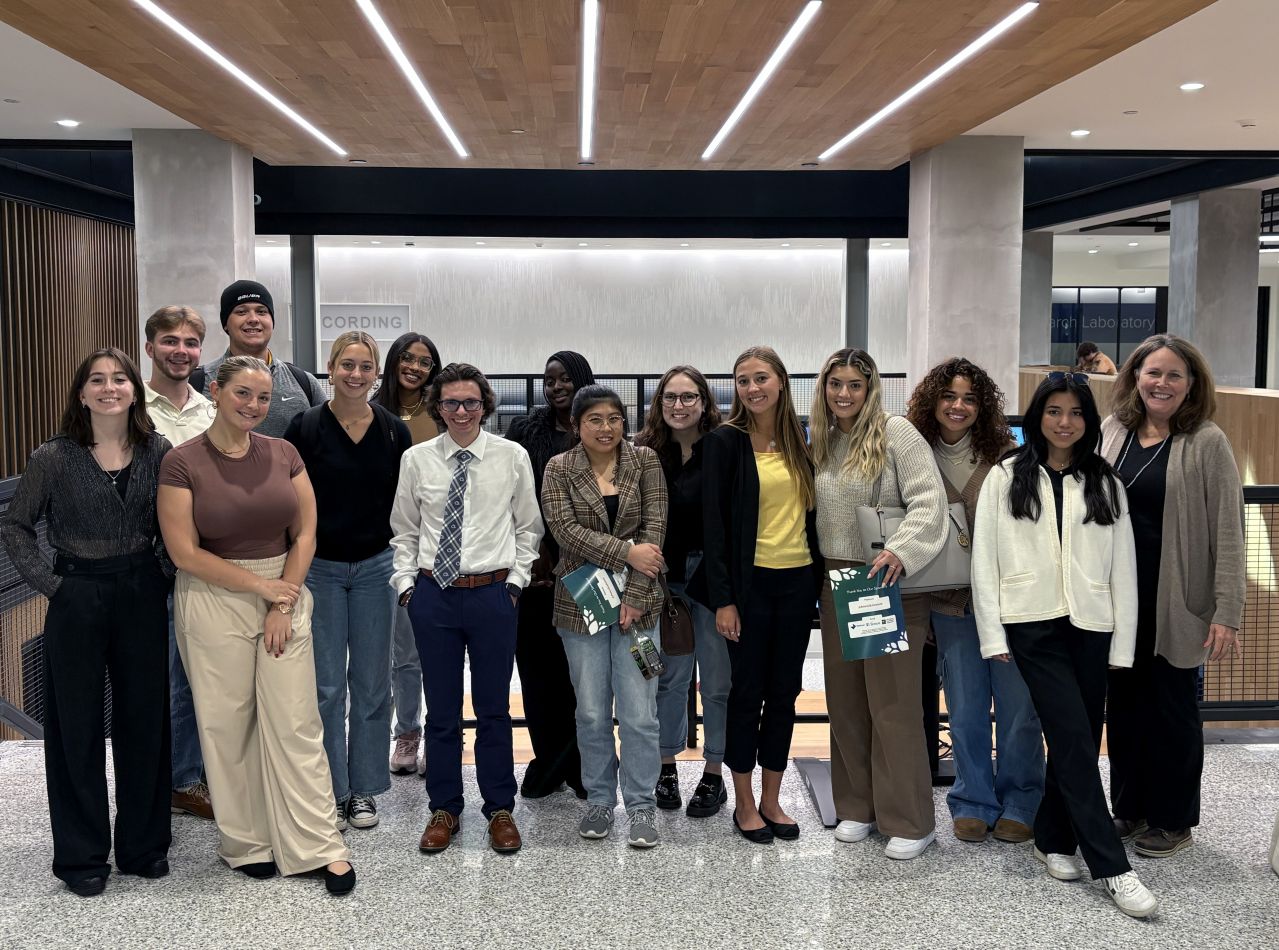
x,y
401,59
590,71
783,48
967,53
177,27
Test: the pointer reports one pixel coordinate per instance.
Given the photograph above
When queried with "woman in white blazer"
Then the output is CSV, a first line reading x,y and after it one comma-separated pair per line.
x,y
1055,584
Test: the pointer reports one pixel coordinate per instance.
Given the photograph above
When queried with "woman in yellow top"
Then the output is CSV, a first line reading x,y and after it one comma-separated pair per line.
x,y
761,562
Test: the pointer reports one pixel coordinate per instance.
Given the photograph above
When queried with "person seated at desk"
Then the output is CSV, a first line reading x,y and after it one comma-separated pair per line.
x,y
1090,359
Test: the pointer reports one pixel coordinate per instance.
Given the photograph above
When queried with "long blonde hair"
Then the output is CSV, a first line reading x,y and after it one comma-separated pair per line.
x,y
868,439
788,432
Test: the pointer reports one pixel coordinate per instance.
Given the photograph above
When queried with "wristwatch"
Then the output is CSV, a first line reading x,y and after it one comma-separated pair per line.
x,y
284,608
514,590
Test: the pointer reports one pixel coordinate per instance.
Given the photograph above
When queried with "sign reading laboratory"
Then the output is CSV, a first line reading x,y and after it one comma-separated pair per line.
x,y
385,322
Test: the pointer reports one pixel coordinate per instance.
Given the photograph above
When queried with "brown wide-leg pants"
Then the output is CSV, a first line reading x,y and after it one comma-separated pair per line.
x,y
878,754
260,728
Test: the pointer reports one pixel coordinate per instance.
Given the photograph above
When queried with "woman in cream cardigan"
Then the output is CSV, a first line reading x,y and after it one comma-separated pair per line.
x,y
1187,517
1054,578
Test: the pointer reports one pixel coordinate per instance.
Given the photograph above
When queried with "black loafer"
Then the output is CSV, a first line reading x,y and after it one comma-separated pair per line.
x,y
707,799
339,884
667,791
787,832
151,870
88,886
757,835
260,870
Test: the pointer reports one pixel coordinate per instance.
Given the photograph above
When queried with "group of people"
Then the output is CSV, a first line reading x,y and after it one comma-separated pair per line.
x,y
339,558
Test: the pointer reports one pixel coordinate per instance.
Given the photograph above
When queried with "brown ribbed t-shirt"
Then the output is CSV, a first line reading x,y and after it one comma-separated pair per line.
x,y
243,507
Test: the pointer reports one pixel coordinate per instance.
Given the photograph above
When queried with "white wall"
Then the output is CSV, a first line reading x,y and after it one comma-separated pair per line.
x,y
889,285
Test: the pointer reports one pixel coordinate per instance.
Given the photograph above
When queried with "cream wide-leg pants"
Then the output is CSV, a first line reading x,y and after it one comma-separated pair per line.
x,y
259,723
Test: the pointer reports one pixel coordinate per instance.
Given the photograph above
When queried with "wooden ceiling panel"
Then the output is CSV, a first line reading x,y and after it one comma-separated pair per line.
x,y
670,72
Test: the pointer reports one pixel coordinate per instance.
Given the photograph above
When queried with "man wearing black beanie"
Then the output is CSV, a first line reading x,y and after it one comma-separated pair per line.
x,y
247,312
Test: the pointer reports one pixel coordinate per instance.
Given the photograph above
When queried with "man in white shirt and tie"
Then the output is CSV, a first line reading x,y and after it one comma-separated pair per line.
x,y
467,526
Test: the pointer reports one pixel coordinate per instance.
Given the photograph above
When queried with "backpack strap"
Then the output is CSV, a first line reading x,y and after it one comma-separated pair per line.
x,y
196,379
304,383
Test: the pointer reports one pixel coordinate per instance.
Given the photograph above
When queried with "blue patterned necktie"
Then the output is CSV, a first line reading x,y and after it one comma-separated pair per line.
x,y
448,559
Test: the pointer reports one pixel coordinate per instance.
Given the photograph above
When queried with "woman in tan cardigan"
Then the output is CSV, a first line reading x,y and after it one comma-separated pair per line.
x,y
1187,518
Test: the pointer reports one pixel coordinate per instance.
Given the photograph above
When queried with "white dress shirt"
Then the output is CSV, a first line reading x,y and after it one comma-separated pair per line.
x,y
179,425
501,520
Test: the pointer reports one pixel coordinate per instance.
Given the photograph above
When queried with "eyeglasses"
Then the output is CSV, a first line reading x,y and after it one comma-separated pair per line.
x,y
600,423
408,359
1058,376
453,405
684,399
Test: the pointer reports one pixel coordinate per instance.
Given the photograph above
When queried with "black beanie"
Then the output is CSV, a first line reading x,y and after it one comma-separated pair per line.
x,y
579,371
241,291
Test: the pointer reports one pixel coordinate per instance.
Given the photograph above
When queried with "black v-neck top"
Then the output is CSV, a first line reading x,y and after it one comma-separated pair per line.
x,y
1144,472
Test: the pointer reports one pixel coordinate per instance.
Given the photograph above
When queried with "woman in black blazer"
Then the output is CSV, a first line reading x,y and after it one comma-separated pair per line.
x,y
762,575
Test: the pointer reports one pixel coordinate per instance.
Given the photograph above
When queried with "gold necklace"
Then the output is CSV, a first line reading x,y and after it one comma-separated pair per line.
x,y
354,422
233,454
406,413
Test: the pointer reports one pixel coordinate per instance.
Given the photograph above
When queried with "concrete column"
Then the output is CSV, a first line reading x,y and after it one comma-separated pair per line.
x,y
1036,297
1212,280
305,310
965,257
193,208
857,292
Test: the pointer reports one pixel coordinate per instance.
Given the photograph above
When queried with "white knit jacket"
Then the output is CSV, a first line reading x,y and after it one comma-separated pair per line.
x,y
1023,573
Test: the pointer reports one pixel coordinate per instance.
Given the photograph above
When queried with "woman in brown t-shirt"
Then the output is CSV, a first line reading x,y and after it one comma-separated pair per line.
x,y
238,516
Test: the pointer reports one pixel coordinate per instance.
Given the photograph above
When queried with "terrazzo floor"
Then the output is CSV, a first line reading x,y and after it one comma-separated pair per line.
x,y
705,887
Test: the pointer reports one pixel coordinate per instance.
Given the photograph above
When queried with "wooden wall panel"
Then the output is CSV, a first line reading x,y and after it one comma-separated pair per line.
x,y
68,285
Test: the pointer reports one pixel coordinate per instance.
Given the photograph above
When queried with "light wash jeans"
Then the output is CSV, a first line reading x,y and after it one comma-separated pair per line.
x,y
188,762
351,635
1015,786
715,673
406,675
606,677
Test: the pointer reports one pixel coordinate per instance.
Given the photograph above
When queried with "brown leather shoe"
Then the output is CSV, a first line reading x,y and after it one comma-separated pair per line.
x,y
504,837
193,800
1012,832
439,831
970,829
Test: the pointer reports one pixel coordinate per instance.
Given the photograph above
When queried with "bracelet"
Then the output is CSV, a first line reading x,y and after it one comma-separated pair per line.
x,y
284,608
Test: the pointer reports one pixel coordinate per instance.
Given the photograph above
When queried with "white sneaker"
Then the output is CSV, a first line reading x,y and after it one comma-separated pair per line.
x,y
853,831
1130,895
1061,866
903,849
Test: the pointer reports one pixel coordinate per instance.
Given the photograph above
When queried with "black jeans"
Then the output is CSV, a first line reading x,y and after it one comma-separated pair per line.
x,y
1065,670
1155,738
550,706
99,623
768,667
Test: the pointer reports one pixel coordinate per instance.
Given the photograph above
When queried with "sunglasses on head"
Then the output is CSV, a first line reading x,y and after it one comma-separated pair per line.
x,y
1058,376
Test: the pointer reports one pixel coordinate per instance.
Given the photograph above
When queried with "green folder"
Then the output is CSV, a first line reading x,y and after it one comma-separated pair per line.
x,y
598,593
868,616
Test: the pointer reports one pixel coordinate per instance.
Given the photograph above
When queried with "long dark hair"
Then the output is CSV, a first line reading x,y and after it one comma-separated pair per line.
x,y
1101,489
656,434
388,394
76,424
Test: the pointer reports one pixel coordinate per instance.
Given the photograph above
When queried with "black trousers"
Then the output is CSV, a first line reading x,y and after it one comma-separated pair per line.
x,y
550,706
1155,738
768,667
1065,670
100,623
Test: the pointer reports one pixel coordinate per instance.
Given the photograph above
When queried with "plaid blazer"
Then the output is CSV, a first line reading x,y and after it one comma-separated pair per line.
x,y
576,516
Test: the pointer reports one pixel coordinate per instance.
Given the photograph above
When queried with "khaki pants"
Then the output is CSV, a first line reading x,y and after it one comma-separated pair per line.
x,y
260,728
878,754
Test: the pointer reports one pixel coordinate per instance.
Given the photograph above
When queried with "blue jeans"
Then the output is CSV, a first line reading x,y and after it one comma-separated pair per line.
x,y
1016,785
406,675
710,650
188,763
606,677
351,636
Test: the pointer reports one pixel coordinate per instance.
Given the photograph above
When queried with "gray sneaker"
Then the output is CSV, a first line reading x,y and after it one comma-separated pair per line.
x,y
597,823
643,828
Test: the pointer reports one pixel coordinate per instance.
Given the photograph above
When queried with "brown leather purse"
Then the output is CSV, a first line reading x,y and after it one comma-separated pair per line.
x,y
676,622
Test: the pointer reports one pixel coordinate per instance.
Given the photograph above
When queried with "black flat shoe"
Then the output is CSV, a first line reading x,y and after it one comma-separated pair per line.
x,y
787,832
667,791
339,884
707,799
88,886
152,870
757,835
259,870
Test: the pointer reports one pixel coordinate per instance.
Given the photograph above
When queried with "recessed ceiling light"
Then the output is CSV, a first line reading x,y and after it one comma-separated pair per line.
x,y
375,242
885,243
809,164
479,243
357,161
68,123
586,163
518,131
761,79
590,46
1094,250
945,69
270,241
1079,133
685,244
168,20
785,245
1134,244
1130,112
582,244
1191,86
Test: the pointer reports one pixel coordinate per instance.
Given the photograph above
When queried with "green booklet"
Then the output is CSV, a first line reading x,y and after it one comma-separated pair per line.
x,y
598,593
868,616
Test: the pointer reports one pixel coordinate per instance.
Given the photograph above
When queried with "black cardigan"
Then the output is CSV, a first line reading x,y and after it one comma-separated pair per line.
x,y
730,513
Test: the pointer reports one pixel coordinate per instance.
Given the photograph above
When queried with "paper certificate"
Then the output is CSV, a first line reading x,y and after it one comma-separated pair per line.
x,y
598,593
869,617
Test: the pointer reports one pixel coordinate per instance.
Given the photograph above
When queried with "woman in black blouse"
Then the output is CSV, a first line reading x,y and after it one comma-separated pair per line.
x,y
95,484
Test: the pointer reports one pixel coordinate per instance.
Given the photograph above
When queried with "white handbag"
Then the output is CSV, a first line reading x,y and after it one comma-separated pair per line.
x,y
951,567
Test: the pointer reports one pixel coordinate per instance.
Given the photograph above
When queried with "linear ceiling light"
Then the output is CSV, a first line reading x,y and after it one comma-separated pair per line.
x,y
397,53
590,68
967,53
765,74
182,31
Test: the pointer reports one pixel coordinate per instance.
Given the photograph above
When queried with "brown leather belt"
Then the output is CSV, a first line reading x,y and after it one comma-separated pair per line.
x,y
475,580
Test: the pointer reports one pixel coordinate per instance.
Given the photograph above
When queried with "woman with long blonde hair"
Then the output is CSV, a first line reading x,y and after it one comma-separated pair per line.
x,y
879,760
761,565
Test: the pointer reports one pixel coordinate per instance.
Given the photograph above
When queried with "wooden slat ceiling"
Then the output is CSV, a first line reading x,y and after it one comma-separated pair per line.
x,y
670,72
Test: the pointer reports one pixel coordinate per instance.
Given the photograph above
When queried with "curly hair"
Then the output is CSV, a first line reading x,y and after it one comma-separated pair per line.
x,y
990,433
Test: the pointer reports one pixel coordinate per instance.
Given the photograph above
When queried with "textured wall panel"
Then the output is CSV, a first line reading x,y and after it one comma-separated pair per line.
x,y
887,325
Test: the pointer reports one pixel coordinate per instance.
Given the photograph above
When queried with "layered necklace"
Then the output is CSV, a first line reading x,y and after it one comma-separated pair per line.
x,y
408,412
